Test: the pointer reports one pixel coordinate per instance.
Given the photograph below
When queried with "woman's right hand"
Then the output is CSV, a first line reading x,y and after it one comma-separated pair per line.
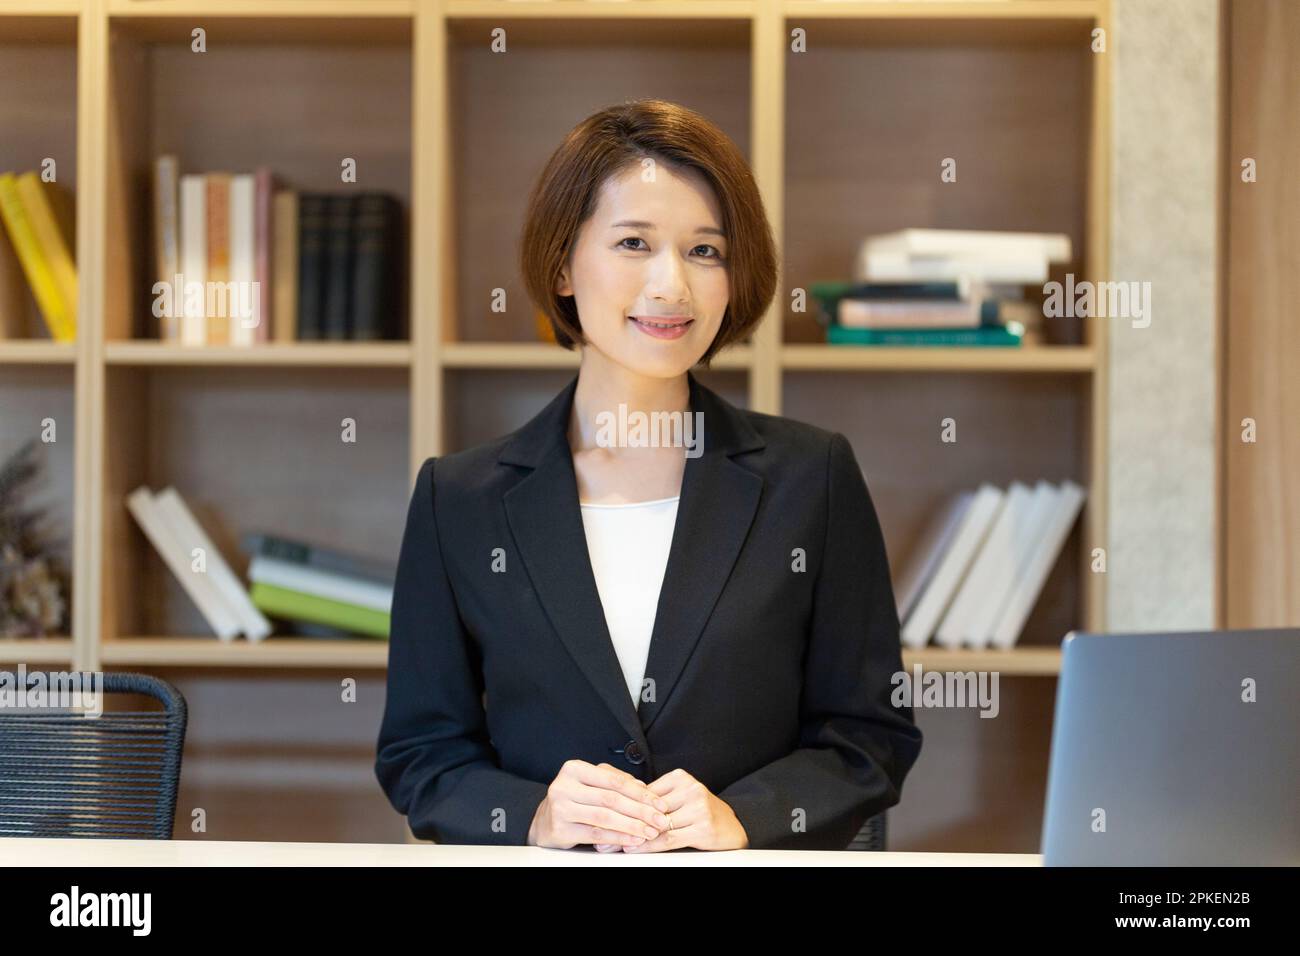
x,y
596,804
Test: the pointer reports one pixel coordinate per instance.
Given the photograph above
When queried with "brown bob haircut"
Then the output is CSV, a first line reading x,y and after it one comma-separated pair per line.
x,y
620,137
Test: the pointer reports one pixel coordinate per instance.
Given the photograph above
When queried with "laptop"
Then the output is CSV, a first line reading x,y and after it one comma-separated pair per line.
x,y
1176,749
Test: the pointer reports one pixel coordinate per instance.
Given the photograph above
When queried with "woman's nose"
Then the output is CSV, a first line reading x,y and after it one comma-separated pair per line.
x,y
667,280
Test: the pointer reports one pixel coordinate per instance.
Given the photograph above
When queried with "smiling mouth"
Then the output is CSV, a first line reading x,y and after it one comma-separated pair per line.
x,y
664,323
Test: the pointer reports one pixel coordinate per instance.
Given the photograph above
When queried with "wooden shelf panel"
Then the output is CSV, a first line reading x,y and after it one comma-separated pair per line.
x,y
1080,359
540,355
37,352
310,354
274,652
1021,21
1016,662
337,21
591,21
36,650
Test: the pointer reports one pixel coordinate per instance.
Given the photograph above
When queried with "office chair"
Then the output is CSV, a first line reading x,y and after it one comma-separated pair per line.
x,y
66,774
872,835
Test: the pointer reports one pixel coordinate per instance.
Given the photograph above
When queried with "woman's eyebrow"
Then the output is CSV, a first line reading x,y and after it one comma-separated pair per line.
x,y
642,224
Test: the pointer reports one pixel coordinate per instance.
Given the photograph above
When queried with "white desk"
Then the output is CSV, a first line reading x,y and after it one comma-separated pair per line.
x,y
64,853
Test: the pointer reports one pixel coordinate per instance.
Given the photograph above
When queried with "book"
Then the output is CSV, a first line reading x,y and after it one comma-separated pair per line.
x,y
285,266
166,237
264,241
51,218
194,258
993,550
218,246
938,593
242,304
296,606
336,308
928,553
985,336
376,264
40,276
190,535
153,521
1054,246
314,556
931,314
1007,567
891,266
962,289
312,209
329,584
1029,583
15,294
937,255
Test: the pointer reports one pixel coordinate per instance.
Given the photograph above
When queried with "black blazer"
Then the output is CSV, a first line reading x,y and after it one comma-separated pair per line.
x,y
771,657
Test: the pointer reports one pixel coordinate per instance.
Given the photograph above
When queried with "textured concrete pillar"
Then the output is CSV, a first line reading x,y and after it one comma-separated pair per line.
x,y
1161,558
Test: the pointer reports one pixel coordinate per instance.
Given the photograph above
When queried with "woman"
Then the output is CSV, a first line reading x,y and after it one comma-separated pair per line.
x,y
645,640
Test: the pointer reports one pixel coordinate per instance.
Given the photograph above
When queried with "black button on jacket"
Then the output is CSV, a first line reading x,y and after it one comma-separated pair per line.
x,y
770,662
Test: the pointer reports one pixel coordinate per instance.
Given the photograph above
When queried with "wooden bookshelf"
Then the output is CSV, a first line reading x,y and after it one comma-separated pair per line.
x,y
844,139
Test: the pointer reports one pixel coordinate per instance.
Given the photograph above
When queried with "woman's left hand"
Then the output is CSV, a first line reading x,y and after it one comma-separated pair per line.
x,y
699,819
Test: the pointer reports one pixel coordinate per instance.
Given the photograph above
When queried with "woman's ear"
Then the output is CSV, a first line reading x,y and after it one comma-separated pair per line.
x,y
562,286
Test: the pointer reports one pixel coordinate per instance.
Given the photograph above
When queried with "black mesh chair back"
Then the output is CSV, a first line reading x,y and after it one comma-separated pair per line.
x,y
872,834
67,774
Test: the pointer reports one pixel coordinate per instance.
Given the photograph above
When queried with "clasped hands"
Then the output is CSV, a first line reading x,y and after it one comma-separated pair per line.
x,y
600,804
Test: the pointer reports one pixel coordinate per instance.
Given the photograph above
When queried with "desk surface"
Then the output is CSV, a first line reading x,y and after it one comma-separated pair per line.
x,y
29,852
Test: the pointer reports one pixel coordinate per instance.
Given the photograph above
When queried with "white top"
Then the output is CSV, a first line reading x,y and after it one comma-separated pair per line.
x,y
628,545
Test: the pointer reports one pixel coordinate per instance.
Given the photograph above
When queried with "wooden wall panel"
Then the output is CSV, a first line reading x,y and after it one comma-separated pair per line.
x,y
1261,334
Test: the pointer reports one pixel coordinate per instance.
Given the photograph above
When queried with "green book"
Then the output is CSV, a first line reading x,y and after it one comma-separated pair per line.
x,y
983,336
297,606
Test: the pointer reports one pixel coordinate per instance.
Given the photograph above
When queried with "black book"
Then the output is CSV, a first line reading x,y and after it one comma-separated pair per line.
x,y
376,275
311,264
336,314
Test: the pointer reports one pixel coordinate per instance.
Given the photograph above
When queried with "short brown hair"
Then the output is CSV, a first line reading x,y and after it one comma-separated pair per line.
x,y
614,139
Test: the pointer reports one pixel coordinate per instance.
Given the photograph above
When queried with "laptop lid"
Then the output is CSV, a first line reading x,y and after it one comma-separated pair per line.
x,y
1176,749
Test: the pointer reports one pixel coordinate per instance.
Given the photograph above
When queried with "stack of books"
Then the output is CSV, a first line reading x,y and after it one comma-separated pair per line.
x,y
978,570
941,287
311,585
241,261
36,257
325,592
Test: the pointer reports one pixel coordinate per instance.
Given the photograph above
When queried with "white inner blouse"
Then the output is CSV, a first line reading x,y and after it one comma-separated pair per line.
x,y
628,545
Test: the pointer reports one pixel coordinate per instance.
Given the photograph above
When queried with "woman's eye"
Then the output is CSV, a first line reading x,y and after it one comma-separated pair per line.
x,y
715,253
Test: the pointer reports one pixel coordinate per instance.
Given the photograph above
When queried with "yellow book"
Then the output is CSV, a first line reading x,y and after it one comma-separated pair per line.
x,y
218,206
41,213
39,276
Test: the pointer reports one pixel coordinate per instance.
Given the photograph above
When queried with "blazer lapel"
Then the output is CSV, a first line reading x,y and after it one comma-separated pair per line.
x,y
718,500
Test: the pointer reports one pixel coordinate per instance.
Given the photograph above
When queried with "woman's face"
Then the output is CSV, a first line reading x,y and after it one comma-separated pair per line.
x,y
653,250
